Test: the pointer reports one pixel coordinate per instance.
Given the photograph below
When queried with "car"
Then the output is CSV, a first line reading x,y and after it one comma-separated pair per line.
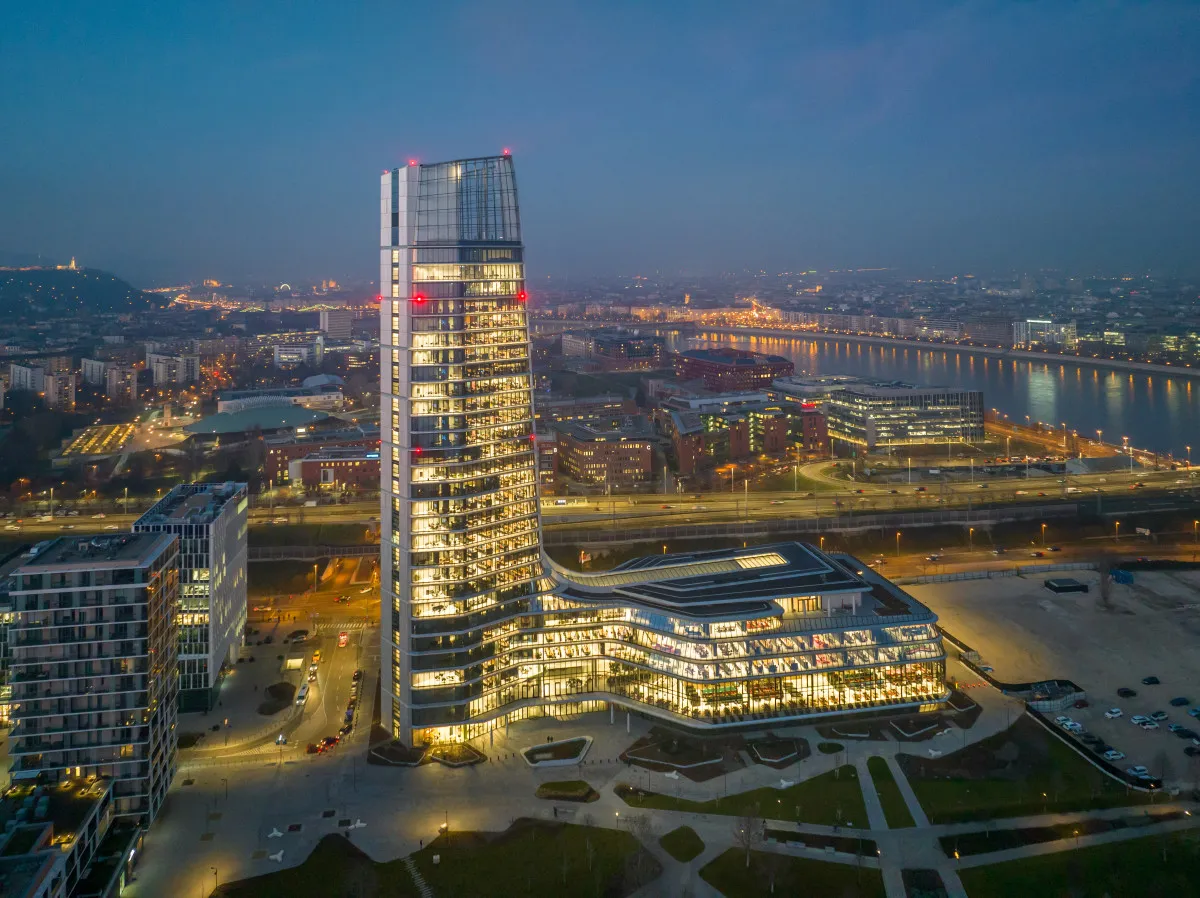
x,y
1113,713
1150,681
933,557
982,486
312,676
346,730
1054,549
1194,712
1089,738
317,657
312,668
1113,755
342,600
1061,719
98,517
893,492
1159,716
920,489
11,527
1148,725
1178,702
1126,692
363,592
1183,732
343,639
998,551
1037,554
1174,727
1139,770
357,675
111,527
1138,718
311,749
1074,727
281,739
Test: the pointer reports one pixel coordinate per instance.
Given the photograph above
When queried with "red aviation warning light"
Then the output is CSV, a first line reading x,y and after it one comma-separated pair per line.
x,y
412,162
416,450
418,297
522,296
379,297
507,151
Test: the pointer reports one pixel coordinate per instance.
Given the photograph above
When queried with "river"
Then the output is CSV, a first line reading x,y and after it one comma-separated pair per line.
x,y
1158,413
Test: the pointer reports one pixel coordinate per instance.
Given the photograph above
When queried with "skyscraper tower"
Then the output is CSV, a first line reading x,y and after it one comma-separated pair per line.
x,y
461,556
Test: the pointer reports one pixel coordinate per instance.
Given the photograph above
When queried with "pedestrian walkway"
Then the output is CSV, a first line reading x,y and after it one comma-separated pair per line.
x,y
906,790
417,878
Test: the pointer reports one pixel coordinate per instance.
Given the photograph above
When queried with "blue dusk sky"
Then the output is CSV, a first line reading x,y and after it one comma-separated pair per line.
x,y
243,140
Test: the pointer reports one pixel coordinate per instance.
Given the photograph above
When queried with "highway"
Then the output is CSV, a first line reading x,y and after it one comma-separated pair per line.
x,y
831,496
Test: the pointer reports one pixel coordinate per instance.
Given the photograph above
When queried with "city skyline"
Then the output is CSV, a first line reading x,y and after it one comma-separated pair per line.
x,y
963,136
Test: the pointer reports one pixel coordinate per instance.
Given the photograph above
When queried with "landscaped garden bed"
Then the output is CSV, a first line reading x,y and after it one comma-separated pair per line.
x,y
558,754
456,754
397,754
918,729
683,844
832,799
830,748
923,884
858,730
844,844
279,696
1021,771
779,753
567,790
780,874
698,759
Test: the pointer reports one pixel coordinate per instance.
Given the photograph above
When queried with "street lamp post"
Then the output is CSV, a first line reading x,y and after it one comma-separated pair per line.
x,y
897,543
971,536
215,879
1043,536
1116,531
1100,437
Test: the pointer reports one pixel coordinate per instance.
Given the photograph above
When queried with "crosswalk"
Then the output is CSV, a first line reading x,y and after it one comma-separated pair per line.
x,y
334,627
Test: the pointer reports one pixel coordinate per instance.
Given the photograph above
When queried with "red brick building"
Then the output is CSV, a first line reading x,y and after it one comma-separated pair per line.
x,y
282,452
815,433
340,469
618,453
725,369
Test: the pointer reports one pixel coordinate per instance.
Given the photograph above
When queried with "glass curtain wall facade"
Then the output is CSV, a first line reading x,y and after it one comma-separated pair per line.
x,y
462,554
477,629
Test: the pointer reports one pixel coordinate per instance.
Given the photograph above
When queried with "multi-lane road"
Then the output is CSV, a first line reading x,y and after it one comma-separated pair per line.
x,y
829,496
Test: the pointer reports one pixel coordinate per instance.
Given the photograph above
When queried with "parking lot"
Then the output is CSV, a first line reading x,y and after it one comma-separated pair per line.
x,y
1149,628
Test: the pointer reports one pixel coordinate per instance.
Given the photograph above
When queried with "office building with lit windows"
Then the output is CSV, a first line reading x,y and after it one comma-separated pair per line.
x,y
478,627
883,415
210,520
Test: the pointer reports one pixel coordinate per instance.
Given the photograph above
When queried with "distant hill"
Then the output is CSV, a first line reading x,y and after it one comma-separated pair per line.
x,y
64,292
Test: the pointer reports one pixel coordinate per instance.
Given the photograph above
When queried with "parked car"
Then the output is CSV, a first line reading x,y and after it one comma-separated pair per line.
x,y
1174,727
1138,719
1193,712
1126,692
1114,755
1139,770
1179,701
1148,725
1192,751
1150,681
1159,716
1113,713
357,675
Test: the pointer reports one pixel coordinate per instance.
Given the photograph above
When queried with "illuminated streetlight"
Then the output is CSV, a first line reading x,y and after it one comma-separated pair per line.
x,y
1117,531
897,543
1043,536
971,536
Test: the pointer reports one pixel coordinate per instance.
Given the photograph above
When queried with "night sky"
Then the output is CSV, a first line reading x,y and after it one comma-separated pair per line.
x,y
172,140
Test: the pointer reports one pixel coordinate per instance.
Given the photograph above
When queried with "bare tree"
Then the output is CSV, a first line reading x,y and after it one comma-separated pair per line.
x,y
748,832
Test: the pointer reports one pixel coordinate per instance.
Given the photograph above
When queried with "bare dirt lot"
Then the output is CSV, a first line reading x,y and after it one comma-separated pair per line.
x,y
1149,628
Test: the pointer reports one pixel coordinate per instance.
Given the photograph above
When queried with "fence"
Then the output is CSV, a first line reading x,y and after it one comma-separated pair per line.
x,y
308,553
1018,571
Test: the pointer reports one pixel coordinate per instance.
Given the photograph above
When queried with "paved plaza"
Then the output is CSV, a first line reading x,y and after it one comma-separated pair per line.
x,y
233,813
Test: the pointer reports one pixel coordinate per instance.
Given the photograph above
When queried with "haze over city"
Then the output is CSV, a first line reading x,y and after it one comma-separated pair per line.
x,y
175,141
611,450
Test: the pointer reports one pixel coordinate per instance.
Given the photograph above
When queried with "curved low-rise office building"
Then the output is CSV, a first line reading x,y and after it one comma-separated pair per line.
x,y
478,628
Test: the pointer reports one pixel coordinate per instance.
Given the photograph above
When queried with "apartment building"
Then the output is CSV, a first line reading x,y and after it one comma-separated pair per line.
x,y
93,645
210,520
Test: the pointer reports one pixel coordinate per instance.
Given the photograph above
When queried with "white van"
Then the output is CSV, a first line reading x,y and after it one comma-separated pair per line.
x,y
302,695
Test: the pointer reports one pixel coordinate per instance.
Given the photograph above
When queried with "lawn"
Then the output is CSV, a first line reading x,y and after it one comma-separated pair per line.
x,y
830,748
537,858
1151,865
297,534
682,844
1019,772
781,874
567,790
335,867
831,799
895,810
